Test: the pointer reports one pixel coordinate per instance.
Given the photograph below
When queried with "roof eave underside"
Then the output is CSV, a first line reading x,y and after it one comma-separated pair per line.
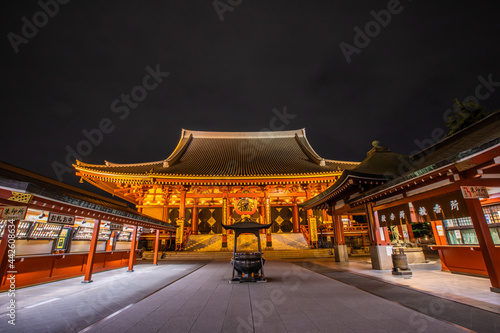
x,y
35,189
443,164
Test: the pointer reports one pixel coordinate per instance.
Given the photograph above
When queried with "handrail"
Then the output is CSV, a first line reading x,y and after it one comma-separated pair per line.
x,y
305,231
187,232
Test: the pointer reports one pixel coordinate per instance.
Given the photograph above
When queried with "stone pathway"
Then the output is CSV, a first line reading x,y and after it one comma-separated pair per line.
x,y
294,300
70,306
473,318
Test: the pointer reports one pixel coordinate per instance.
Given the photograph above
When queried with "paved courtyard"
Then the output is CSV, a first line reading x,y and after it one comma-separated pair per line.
x,y
301,296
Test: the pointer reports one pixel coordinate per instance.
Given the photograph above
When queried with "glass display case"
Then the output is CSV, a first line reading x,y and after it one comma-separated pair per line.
x,y
3,223
83,233
492,215
104,234
23,229
42,230
124,236
460,231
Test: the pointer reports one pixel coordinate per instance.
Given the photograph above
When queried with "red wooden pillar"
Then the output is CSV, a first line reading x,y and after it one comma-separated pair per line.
x,y
131,258
157,244
269,237
374,228
225,219
194,219
491,254
338,229
90,258
182,204
228,214
410,232
309,212
324,216
263,214
295,216
110,242
10,229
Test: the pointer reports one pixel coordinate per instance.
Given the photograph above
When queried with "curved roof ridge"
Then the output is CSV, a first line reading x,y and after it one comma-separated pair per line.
x,y
131,164
308,149
110,164
186,138
339,161
244,135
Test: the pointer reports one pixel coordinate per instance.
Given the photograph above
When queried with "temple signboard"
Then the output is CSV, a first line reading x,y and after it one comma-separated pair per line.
x,y
245,206
314,229
394,216
115,226
474,192
13,212
447,206
179,234
61,219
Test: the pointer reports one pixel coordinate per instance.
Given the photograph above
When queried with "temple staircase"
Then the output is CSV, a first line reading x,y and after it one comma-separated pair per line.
x,y
209,246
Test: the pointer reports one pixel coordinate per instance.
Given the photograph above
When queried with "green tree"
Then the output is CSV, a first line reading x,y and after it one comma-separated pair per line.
x,y
464,114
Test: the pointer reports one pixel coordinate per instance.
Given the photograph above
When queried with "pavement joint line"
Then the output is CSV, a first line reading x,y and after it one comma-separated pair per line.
x,y
390,300
106,318
40,303
148,295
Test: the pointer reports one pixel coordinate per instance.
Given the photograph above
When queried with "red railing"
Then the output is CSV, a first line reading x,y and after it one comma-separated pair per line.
x,y
305,231
187,232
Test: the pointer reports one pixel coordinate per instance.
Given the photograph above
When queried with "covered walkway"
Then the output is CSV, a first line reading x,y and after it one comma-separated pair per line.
x,y
301,296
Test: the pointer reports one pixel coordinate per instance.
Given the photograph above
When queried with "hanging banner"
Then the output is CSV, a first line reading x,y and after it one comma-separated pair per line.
x,y
314,228
394,216
179,234
447,206
13,212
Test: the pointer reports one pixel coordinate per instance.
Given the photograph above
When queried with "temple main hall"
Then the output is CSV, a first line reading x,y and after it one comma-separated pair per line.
x,y
215,178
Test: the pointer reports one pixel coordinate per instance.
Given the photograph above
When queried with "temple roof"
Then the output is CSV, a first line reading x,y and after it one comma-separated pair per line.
x,y
379,166
396,169
25,181
209,154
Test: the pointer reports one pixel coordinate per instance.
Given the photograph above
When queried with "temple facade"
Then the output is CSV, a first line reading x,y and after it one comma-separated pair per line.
x,y
215,178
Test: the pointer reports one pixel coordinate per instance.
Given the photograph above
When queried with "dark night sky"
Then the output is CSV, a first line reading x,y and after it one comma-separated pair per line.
x,y
229,75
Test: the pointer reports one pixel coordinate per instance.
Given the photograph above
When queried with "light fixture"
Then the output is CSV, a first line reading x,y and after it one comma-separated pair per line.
x,y
41,216
84,221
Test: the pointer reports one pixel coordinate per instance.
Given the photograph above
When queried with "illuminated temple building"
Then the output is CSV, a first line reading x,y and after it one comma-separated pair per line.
x,y
219,177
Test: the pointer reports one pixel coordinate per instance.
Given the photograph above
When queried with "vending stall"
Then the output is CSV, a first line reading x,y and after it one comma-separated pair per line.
x,y
50,230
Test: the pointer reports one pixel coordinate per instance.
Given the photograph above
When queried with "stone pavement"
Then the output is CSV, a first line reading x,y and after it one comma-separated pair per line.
x,y
314,295
428,278
294,300
396,289
70,306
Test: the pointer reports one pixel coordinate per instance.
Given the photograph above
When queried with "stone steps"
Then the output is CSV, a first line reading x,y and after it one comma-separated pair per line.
x,y
213,243
268,254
